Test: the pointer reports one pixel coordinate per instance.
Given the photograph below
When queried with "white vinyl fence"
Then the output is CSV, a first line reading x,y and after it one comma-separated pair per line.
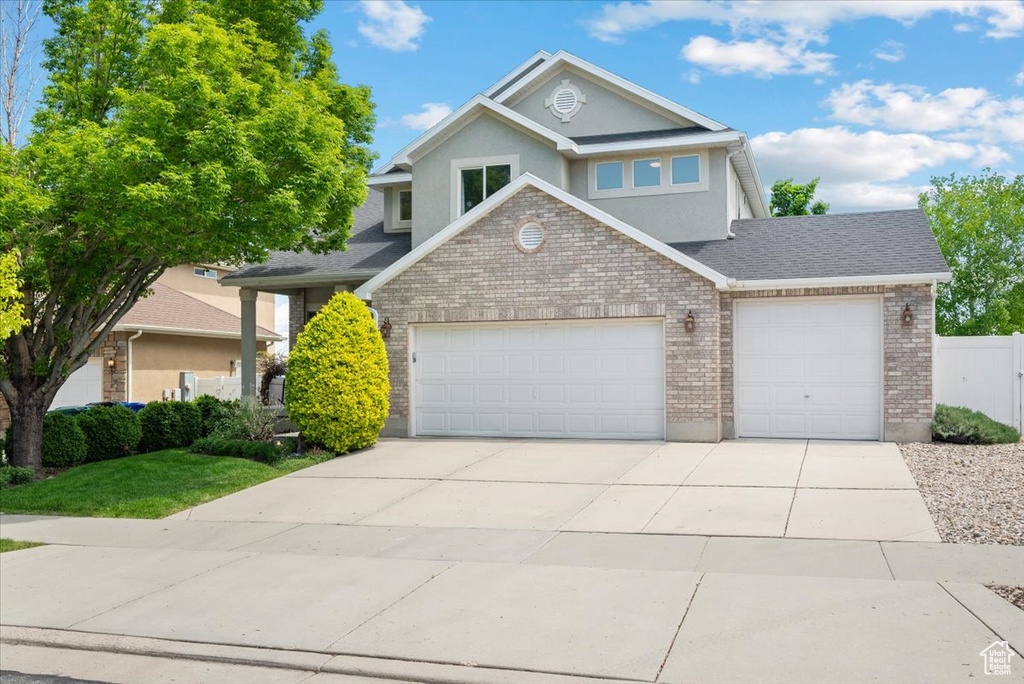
x,y
231,388
982,373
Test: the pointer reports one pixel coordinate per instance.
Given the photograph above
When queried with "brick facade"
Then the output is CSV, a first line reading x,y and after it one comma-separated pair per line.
x,y
585,270
115,379
296,316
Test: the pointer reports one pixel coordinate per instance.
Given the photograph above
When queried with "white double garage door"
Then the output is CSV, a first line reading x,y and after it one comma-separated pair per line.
x,y
804,368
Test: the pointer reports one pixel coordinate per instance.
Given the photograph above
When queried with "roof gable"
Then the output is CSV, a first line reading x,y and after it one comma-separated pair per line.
x,y
365,291
170,311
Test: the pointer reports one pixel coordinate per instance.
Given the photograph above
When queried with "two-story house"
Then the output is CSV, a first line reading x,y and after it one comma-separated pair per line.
x,y
571,255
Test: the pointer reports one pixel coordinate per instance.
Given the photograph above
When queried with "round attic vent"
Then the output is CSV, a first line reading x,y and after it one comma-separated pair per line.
x,y
565,101
530,237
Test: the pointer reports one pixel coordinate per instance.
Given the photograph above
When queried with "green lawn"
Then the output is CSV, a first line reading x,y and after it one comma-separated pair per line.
x,y
11,545
145,486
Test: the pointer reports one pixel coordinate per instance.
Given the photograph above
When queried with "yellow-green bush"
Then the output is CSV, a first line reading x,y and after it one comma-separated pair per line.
x,y
337,385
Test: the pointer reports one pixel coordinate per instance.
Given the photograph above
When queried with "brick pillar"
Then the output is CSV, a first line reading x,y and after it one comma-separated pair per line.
x,y
115,380
296,316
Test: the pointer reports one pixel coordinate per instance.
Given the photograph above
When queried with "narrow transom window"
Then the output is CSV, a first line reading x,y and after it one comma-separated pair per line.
x,y
204,272
646,173
405,205
609,176
530,237
481,182
685,169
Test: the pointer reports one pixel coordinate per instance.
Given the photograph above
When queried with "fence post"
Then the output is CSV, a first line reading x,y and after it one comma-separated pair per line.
x,y
1018,387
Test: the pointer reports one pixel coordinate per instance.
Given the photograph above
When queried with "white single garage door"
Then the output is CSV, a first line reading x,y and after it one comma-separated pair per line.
x,y
809,368
603,380
84,386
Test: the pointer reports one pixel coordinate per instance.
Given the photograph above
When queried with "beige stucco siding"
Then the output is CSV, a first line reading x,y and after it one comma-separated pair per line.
x,y
210,291
158,359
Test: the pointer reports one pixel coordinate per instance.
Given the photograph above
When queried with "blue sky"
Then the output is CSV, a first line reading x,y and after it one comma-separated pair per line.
x,y
873,97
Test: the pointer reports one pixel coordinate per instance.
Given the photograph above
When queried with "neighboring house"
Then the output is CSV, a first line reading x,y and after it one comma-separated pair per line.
x,y
571,255
188,323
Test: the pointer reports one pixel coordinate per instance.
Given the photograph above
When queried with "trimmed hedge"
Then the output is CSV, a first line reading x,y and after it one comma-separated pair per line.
x,y
264,452
110,431
169,424
213,413
961,425
337,384
13,475
64,443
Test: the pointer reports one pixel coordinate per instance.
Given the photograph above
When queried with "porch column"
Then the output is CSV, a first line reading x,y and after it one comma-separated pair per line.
x,y
248,298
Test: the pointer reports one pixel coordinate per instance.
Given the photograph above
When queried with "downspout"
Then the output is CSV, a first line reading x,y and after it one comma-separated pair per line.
x,y
128,377
729,235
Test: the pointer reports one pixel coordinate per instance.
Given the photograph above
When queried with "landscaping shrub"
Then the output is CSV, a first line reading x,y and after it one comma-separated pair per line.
x,y
64,443
270,366
12,475
337,384
110,432
248,419
963,426
213,413
169,424
238,448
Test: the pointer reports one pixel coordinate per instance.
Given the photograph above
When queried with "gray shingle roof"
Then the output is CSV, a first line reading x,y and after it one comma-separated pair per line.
x,y
370,250
639,135
836,245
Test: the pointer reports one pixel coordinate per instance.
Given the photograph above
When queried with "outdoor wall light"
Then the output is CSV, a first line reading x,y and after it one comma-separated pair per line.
x,y
110,363
385,328
908,316
689,323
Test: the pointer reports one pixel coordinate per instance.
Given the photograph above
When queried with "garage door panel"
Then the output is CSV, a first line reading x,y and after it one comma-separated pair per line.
x,y
808,368
537,380
84,386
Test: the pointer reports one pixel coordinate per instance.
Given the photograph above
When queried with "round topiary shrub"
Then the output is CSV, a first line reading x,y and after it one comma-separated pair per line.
x,y
169,424
110,431
64,442
336,390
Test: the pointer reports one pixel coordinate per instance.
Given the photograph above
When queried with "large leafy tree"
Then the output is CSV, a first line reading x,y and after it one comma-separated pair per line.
x,y
978,222
794,199
12,307
171,131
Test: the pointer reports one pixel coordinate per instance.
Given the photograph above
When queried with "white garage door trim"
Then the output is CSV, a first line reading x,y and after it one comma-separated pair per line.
x,y
84,386
847,429
557,418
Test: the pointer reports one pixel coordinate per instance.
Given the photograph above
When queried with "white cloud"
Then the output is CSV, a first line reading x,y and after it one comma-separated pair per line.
x,y
692,76
431,114
757,57
281,323
1019,79
960,113
392,24
963,27
799,18
890,51
844,197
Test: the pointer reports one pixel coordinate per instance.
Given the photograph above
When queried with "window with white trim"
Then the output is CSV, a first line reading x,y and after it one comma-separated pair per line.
x,y
405,205
609,175
480,182
201,272
647,173
686,169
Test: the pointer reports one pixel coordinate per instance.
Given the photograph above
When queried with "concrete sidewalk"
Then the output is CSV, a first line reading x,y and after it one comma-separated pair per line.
x,y
524,605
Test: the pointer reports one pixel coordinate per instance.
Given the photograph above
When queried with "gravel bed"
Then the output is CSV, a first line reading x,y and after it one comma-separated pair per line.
x,y
974,493
1014,595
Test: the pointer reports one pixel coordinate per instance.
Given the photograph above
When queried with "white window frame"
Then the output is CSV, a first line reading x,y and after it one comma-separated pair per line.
x,y
396,217
511,160
661,172
700,169
205,272
610,161
665,188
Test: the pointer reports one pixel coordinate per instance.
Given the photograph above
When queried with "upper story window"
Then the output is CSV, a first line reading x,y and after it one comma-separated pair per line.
x,y
686,169
609,176
405,205
647,173
481,182
201,272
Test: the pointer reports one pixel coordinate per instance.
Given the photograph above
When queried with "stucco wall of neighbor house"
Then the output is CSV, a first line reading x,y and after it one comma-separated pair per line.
x,y
585,271
485,136
604,112
907,351
208,290
158,359
673,217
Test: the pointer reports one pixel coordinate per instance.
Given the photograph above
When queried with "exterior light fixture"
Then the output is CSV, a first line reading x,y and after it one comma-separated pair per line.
x,y
110,362
908,316
689,323
385,328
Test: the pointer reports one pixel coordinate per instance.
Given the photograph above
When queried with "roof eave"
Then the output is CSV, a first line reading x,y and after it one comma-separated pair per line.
x,y
290,282
188,332
734,284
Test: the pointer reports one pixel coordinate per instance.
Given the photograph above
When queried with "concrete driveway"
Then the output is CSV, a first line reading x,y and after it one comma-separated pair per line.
x,y
749,488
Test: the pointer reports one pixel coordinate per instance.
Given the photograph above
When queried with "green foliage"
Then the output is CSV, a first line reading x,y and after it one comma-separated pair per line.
x,y
64,443
12,308
337,388
110,431
248,420
269,367
265,452
978,222
964,426
793,199
13,545
180,131
11,475
169,424
143,486
213,413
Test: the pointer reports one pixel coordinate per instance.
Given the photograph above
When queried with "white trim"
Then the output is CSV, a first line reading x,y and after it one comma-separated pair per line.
x,y
666,187
457,165
535,57
478,102
188,332
562,57
365,291
397,223
674,142
387,179
841,281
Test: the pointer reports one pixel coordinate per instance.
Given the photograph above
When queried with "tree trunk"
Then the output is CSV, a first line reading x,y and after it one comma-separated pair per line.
x,y
27,432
